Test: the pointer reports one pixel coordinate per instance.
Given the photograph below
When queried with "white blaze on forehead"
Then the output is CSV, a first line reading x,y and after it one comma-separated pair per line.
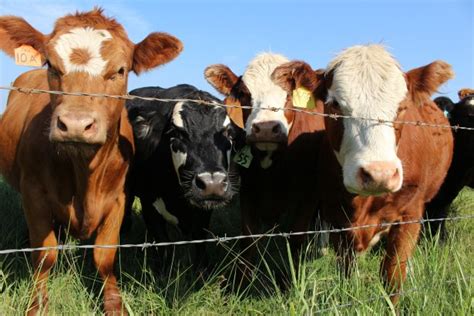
x,y
176,118
265,93
85,38
367,82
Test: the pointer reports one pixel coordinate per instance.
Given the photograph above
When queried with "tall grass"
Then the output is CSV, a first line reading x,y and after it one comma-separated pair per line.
x,y
440,282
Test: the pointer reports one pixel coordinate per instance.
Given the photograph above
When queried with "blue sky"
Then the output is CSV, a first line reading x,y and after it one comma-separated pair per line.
x,y
233,32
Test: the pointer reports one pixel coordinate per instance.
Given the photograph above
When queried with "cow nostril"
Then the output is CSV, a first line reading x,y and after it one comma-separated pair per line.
x,y
255,128
200,183
88,127
61,125
276,129
365,176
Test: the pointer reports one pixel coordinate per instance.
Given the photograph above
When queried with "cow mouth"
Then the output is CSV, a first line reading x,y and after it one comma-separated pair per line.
x,y
209,203
74,149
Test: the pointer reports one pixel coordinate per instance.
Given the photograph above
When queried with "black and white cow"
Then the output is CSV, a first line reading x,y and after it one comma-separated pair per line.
x,y
461,171
182,168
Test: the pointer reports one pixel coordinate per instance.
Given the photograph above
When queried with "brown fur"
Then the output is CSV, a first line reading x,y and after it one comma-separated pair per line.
x,y
79,185
80,56
464,93
286,187
425,153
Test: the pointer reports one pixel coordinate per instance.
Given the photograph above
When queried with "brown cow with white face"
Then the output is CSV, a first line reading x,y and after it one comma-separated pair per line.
x,y
67,155
281,178
372,172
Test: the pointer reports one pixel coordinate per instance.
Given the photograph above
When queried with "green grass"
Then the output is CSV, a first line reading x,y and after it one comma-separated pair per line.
x,y
441,281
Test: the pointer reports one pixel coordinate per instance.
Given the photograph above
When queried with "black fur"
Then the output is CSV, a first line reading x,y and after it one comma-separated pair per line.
x,y
205,141
461,171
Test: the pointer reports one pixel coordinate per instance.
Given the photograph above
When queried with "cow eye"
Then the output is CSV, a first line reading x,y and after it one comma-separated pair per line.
x,y
119,74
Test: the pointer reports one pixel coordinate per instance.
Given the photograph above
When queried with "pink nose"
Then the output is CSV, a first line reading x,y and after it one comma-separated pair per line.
x,y
268,131
380,177
76,127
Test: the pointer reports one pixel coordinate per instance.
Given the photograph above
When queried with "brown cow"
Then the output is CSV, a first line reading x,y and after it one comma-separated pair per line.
x,y
67,155
284,144
371,172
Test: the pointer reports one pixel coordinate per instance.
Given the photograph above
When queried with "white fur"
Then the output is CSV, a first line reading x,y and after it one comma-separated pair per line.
x,y
83,38
177,119
226,121
264,92
160,206
367,83
470,102
178,158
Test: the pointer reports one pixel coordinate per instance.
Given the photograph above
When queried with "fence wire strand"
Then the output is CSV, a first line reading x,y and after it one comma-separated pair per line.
x,y
226,239
203,102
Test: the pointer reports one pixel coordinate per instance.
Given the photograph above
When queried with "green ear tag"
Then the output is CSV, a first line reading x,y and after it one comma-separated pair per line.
x,y
244,157
302,98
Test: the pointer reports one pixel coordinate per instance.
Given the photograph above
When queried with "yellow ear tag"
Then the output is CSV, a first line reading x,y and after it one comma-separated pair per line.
x,y
244,157
303,98
25,55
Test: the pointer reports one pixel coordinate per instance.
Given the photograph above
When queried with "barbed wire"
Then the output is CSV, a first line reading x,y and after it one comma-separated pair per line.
x,y
203,102
226,238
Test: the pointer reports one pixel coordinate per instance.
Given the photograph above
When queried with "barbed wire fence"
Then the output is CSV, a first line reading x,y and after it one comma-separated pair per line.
x,y
203,102
225,239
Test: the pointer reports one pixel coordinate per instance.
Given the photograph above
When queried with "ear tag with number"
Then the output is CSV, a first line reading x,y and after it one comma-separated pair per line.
x,y
303,98
244,157
25,55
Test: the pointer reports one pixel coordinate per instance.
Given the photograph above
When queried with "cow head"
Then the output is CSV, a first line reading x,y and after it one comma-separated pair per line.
x,y
461,114
200,140
367,82
87,52
265,129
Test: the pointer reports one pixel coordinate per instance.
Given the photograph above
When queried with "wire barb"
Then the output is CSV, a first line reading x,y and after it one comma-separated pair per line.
x,y
332,116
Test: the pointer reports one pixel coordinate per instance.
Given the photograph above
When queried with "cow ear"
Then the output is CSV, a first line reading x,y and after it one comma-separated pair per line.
x,y
15,32
236,115
295,74
221,78
155,50
464,93
445,104
422,82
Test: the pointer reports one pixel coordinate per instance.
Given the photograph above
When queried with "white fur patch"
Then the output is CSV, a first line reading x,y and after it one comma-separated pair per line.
x,y
470,102
160,207
178,158
267,161
177,119
265,93
367,82
226,121
85,38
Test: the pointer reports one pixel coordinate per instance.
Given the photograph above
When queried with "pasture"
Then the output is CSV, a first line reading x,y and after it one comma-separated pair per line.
x,y
441,280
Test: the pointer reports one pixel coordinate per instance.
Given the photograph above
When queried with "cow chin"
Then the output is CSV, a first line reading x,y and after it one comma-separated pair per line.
x,y
208,204
75,150
267,146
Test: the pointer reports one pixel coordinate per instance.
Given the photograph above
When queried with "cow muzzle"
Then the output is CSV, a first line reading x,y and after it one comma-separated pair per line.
x,y
267,132
76,127
379,177
211,185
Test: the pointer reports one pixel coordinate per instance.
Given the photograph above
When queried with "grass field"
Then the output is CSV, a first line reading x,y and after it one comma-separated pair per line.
x,y
441,281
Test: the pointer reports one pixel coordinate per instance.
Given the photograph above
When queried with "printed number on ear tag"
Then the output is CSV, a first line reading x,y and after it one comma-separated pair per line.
x,y
244,157
303,98
25,55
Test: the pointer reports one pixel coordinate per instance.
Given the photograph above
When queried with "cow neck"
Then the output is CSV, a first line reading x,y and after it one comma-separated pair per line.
x,y
87,172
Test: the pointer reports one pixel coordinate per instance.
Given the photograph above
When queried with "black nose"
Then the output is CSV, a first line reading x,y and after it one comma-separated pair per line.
x,y
212,184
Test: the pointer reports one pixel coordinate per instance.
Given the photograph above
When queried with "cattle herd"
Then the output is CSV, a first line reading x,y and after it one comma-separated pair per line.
x,y
80,161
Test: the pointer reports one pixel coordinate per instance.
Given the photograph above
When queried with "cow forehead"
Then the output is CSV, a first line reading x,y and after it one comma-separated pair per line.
x,y
80,50
257,79
368,81
198,119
